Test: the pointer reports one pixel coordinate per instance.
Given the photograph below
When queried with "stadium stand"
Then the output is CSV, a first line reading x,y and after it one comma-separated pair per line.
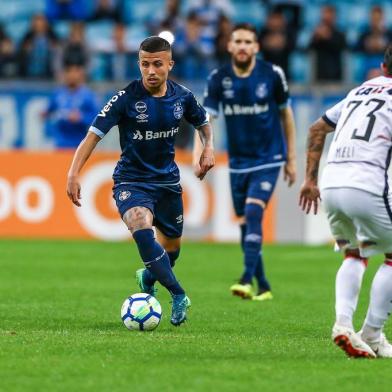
x,y
139,17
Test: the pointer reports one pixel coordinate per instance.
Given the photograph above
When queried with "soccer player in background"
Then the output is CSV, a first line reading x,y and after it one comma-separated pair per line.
x,y
356,197
71,108
261,138
147,186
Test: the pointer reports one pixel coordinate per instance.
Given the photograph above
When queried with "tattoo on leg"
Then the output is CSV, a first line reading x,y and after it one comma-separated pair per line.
x,y
138,218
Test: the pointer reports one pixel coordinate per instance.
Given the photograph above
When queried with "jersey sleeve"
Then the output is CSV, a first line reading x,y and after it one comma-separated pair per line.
x,y
109,116
212,94
281,87
332,115
194,113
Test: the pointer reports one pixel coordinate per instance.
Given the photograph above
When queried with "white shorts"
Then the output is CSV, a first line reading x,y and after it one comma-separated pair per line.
x,y
359,219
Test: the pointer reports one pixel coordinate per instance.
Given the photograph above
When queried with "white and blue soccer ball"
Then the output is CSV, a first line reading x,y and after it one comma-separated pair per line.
x,y
141,312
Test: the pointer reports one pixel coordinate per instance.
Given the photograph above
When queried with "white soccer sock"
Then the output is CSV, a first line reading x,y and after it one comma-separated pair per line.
x,y
380,303
348,284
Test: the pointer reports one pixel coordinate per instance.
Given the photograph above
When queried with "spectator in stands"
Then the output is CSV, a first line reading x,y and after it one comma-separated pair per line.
x,y
170,19
8,65
223,37
66,10
75,50
328,44
373,41
276,42
107,10
118,56
191,52
209,13
37,49
292,11
72,108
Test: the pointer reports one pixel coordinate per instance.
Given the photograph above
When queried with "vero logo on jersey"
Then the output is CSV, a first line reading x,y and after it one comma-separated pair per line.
x,y
150,135
233,110
108,106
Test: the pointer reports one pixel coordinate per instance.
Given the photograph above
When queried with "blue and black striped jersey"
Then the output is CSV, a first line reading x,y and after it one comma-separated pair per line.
x,y
148,126
251,108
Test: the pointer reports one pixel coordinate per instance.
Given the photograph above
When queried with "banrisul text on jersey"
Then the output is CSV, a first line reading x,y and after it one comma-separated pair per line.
x,y
148,126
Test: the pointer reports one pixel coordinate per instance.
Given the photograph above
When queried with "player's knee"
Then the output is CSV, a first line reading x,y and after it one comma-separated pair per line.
x,y
355,254
137,218
173,256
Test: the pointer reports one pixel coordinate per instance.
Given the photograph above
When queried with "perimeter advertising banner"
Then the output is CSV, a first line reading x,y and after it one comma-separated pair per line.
x,y
33,200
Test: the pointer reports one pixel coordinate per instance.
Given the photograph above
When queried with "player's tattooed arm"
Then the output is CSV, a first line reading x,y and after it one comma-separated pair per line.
x,y
315,145
203,151
82,153
310,193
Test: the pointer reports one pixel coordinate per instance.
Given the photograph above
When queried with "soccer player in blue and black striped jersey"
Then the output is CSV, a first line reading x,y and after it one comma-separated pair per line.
x,y
260,129
147,186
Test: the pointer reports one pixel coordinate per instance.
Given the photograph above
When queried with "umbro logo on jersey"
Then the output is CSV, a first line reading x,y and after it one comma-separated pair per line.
x,y
179,219
150,135
141,107
229,94
108,106
142,118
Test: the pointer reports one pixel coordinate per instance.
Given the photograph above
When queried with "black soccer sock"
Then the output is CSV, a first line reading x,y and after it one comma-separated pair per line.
x,y
156,260
173,256
148,277
259,271
252,240
243,234
260,275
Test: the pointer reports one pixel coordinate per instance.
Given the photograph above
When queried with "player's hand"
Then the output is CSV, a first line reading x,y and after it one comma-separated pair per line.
x,y
73,190
290,171
309,196
206,162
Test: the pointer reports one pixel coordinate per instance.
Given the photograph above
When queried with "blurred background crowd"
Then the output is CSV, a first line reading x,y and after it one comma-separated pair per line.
x,y
335,41
49,49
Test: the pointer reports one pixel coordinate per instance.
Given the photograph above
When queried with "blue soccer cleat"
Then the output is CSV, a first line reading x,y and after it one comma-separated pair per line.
x,y
180,305
144,288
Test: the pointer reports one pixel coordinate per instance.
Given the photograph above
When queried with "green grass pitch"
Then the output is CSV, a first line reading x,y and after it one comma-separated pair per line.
x,y
60,327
